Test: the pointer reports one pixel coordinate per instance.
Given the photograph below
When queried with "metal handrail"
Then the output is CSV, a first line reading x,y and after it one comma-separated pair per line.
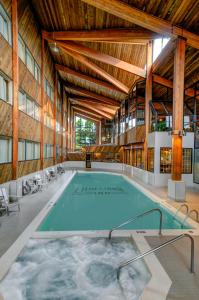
x,y
188,215
158,248
178,210
137,217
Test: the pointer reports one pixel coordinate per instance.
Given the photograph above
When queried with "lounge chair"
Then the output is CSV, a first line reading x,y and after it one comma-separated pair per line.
x,y
60,169
41,182
5,204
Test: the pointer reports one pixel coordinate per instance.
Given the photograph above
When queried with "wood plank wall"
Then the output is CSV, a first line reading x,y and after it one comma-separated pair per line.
x,y
29,128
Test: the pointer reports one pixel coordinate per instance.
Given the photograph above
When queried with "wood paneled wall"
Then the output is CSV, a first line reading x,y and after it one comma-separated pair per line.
x,y
29,128
136,135
5,118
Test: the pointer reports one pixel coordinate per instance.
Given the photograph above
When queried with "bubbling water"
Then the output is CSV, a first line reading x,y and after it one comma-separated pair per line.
x,y
75,268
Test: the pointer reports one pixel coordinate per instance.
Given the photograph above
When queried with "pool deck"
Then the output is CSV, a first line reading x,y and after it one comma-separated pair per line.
x,y
174,258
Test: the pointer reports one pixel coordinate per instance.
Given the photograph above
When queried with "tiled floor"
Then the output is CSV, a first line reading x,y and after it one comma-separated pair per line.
x,y
13,225
175,259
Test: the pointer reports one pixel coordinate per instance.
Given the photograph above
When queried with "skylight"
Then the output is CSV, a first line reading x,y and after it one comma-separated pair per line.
x,y
158,45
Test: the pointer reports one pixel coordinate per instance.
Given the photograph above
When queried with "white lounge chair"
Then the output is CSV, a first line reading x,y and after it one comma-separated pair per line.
x,y
5,204
60,169
41,182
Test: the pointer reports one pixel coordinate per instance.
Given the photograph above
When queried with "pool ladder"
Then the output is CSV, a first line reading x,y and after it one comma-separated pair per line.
x,y
137,217
158,248
188,213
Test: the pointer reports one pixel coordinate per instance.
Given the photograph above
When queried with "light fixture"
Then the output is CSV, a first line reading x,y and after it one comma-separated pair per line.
x,y
55,48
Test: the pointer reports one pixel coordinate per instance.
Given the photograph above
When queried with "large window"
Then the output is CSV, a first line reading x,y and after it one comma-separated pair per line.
x,y
5,149
5,24
150,160
48,89
48,120
48,151
21,150
138,157
165,160
4,89
158,45
85,132
187,160
32,150
27,58
29,106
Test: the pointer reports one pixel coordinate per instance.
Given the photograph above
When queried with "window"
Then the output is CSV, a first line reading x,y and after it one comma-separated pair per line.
x,y
85,132
29,150
150,160
37,112
158,45
58,127
48,151
22,101
5,28
58,151
37,72
48,89
5,150
165,160
21,150
187,161
29,61
139,156
3,89
22,49
36,150
30,107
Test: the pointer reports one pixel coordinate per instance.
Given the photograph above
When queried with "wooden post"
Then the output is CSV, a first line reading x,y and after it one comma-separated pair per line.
x,y
148,97
178,104
100,132
42,103
15,78
62,126
55,117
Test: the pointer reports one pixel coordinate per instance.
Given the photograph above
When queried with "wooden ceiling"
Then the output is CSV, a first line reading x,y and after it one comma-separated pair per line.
x,y
112,80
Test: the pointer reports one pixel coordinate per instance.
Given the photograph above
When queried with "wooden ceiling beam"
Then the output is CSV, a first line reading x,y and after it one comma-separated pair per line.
x,y
91,100
86,116
94,104
89,94
84,113
102,57
145,20
93,111
169,83
113,34
82,59
104,84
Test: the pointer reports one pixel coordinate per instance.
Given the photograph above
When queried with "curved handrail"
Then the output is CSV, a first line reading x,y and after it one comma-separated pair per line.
x,y
179,209
137,217
159,247
188,215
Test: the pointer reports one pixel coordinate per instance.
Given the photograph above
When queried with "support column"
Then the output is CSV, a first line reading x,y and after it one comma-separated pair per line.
x,y
62,125
100,132
15,78
176,187
148,98
55,117
42,103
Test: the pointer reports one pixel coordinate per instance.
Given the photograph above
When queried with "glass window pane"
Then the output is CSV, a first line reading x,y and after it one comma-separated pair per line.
x,y
165,160
29,61
29,150
150,160
21,150
187,161
22,49
5,150
22,101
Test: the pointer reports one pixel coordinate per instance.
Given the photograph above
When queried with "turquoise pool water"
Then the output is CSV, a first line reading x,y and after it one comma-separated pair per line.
x,y
100,201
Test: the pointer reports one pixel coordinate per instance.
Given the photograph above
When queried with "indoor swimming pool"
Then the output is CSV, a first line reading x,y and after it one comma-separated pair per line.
x,y
100,201
75,268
